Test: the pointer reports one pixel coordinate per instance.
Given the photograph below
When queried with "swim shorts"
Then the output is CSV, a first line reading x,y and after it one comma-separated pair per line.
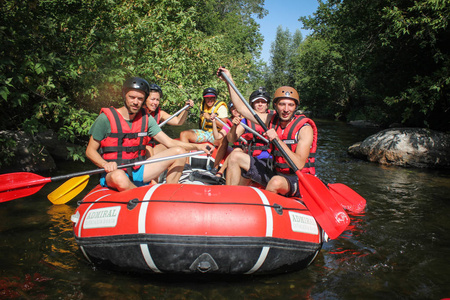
x,y
138,177
203,136
261,173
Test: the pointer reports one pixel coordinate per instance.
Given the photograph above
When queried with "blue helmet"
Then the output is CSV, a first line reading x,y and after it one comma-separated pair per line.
x,y
156,88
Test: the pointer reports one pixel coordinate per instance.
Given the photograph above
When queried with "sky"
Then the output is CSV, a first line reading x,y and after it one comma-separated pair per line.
x,y
286,14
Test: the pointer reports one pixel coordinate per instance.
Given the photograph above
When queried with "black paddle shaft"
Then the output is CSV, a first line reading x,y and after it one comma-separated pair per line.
x,y
263,125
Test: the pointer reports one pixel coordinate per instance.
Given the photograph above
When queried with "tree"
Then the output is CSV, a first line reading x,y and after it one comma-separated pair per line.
x,y
279,60
320,77
63,60
394,57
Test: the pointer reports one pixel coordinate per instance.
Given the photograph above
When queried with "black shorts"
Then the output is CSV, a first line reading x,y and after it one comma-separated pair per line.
x,y
261,173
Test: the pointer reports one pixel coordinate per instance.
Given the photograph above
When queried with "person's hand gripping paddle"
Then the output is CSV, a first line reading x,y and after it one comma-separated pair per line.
x,y
329,214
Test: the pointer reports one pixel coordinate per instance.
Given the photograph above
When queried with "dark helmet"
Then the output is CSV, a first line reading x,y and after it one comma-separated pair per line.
x,y
209,92
156,88
260,94
230,105
135,83
286,92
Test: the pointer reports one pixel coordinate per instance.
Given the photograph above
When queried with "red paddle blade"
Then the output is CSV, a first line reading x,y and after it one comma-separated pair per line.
x,y
19,185
348,198
329,214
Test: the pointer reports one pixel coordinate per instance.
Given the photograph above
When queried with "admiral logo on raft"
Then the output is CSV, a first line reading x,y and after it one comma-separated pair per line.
x,y
303,223
102,217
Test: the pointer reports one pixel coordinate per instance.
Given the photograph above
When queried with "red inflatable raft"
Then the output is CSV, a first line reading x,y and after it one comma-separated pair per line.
x,y
190,228
193,227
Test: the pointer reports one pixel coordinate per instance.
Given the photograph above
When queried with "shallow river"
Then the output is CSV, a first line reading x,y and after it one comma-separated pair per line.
x,y
399,248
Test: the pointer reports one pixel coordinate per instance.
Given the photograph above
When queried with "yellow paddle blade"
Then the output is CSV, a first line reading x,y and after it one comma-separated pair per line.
x,y
68,190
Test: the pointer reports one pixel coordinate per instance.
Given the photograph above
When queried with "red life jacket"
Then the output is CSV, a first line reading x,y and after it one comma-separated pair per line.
x,y
238,143
257,145
289,137
157,116
124,144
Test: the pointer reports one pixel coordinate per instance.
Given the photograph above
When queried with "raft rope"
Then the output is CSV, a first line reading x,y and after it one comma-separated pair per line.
x,y
134,202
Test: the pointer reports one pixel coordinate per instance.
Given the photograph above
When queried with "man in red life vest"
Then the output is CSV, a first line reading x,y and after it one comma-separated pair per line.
x,y
119,136
296,134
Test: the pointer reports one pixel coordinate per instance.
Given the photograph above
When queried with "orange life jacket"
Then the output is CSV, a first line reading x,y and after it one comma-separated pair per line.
x,y
207,124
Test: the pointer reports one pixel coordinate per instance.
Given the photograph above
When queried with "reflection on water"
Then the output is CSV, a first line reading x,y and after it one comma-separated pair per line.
x,y
397,248
60,240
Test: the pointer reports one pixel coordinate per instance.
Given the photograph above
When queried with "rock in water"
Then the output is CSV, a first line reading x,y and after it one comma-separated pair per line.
x,y
406,147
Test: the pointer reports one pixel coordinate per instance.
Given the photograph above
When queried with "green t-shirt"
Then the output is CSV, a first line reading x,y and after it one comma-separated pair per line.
x,y
102,128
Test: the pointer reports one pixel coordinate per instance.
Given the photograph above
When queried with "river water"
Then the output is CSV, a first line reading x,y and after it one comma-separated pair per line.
x,y
398,248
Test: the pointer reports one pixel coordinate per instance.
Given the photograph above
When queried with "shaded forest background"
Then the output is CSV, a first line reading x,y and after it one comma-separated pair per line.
x,y
385,61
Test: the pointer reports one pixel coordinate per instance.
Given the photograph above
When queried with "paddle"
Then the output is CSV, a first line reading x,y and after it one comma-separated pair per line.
x,y
22,184
328,213
228,127
254,132
68,190
174,115
347,198
344,195
73,187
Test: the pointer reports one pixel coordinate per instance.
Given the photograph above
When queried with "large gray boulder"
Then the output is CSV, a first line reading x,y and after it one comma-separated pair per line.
x,y
406,147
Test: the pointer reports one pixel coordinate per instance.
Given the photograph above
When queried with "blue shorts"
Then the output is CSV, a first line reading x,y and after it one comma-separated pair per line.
x,y
203,136
138,177
261,173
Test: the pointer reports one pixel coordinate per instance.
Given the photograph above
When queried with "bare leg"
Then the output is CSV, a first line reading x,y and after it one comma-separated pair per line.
x,y
149,151
225,163
237,161
119,180
188,136
223,168
278,185
221,151
159,148
174,167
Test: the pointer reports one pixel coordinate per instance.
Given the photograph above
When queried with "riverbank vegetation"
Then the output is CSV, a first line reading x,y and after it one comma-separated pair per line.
x,y
61,61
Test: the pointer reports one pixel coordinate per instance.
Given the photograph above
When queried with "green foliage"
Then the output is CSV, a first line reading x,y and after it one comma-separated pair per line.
x,y
61,61
6,146
420,31
283,51
319,64
77,153
378,59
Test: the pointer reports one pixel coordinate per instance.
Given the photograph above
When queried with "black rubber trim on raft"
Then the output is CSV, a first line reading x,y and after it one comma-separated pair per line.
x,y
196,255
201,241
